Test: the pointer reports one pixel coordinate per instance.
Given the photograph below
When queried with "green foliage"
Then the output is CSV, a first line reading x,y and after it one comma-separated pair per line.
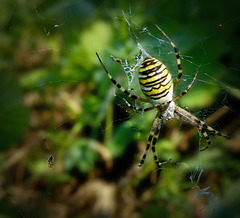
x,y
204,96
124,137
81,155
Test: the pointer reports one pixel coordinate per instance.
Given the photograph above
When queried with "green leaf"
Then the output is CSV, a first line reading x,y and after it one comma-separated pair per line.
x,y
125,134
81,155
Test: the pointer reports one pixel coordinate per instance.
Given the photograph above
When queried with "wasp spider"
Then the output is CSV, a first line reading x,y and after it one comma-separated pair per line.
x,y
157,85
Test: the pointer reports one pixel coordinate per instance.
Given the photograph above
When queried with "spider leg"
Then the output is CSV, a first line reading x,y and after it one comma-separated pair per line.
x,y
156,123
177,56
210,129
154,141
146,150
187,89
118,85
208,141
205,135
202,126
139,108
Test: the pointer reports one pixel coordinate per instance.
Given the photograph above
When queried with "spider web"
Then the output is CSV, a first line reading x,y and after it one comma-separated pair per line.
x,y
163,47
139,35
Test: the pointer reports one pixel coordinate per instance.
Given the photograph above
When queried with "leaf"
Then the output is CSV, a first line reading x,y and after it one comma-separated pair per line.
x,y
125,134
81,155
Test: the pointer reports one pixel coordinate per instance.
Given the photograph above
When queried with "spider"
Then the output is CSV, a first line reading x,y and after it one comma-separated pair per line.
x,y
157,85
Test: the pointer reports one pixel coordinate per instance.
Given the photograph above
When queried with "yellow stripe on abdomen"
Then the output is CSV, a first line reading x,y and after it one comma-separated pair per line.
x,y
155,81
157,90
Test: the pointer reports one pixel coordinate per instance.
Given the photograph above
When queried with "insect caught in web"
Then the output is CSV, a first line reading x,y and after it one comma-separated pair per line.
x,y
157,85
50,161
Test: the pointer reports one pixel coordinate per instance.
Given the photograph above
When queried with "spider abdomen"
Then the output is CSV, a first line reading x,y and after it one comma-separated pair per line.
x,y
155,81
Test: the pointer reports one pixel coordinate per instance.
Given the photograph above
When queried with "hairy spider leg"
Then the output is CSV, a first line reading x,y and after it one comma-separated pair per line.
x,y
187,89
177,56
152,139
202,126
139,108
135,97
156,123
205,135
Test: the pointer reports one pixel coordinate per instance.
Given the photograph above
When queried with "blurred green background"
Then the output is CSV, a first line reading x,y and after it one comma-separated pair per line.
x,y
57,103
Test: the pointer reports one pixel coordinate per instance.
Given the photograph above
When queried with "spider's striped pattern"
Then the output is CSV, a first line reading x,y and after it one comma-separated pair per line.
x,y
157,85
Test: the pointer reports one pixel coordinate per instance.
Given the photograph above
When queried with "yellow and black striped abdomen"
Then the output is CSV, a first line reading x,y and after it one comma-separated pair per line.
x,y
155,81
